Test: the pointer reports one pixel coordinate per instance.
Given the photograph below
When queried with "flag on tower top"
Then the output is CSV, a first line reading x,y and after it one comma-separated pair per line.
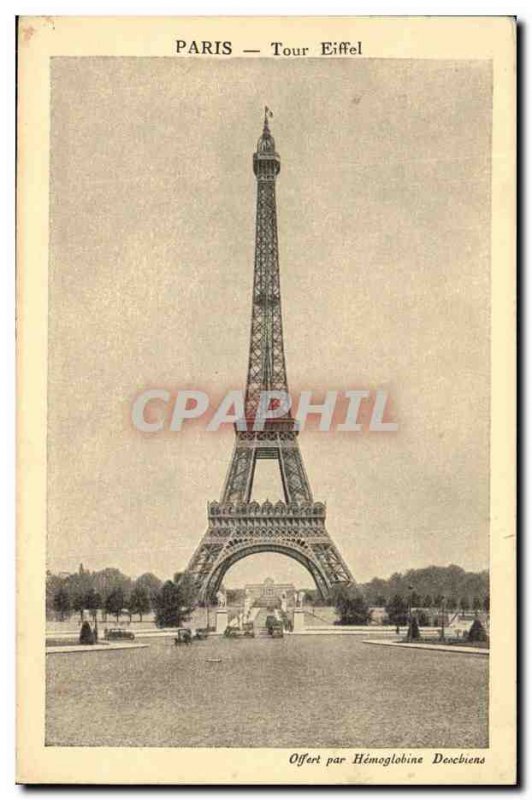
x,y
268,112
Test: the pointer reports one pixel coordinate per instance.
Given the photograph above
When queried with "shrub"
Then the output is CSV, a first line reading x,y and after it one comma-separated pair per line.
x,y
351,606
86,635
477,632
173,603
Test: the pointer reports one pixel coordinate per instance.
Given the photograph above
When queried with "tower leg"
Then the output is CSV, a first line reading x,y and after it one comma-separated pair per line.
x,y
295,481
239,479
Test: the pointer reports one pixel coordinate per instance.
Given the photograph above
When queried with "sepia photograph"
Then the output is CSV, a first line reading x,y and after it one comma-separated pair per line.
x,y
267,430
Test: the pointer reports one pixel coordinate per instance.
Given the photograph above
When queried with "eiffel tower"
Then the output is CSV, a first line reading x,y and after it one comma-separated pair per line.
x,y
294,526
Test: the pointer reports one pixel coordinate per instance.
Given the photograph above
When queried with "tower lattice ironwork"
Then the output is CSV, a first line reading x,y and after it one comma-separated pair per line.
x,y
295,526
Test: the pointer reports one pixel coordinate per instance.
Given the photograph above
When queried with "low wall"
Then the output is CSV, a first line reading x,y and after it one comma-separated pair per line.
x,y
375,631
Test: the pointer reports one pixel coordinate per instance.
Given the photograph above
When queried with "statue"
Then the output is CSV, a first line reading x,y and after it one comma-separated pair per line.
x,y
221,599
300,598
283,602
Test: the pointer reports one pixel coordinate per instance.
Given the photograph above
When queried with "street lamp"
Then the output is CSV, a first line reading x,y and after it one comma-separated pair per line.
x,y
443,618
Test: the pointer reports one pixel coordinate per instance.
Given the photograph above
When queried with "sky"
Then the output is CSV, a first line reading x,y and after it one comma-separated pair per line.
x,y
383,205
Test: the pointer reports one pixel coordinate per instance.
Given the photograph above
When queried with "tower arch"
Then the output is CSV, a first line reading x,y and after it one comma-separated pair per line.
x,y
229,559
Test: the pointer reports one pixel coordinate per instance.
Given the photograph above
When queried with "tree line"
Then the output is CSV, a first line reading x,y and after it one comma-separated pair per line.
x,y
427,587
353,608
112,593
423,588
107,590
429,609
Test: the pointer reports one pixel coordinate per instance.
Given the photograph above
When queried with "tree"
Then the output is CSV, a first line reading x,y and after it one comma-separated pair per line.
x,y
150,583
486,604
397,610
78,584
78,604
93,602
427,602
451,603
114,603
139,602
107,580
62,604
376,592
464,604
187,589
396,583
351,606
53,584
172,605
477,604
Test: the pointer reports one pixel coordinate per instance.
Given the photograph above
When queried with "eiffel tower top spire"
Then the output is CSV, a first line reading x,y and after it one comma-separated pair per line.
x,y
266,366
266,162
266,143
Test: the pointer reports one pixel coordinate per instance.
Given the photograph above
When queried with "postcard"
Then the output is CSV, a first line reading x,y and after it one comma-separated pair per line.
x,y
266,400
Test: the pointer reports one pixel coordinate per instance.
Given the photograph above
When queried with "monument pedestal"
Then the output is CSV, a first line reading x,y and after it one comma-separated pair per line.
x,y
299,620
222,620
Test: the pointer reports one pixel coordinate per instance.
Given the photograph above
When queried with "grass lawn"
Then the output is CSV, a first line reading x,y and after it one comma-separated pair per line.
x,y
300,691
